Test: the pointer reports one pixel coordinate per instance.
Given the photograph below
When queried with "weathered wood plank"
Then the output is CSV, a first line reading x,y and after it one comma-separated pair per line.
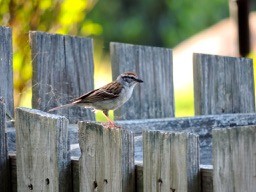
x,y
170,161
4,165
234,157
200,125
43,158
6,72
223,85
205,172
154,98
62,70
105,163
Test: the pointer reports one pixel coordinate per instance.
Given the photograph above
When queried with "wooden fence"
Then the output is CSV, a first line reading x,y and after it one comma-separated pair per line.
x,y
153,151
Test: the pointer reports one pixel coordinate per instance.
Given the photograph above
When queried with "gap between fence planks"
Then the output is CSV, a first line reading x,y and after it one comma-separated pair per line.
x,y
234,157
107,160
63,69
4,165
43,158
223,84
170,162
6,70
154,98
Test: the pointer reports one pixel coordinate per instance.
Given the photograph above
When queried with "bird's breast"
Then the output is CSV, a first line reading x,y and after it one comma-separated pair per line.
x,y
115,103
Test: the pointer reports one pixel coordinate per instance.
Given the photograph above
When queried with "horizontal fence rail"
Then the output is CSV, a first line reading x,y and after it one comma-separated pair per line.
x,y
152,150
199,125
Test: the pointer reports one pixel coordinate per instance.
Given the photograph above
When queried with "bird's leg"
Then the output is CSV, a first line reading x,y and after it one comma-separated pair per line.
x,y
105,112
111,123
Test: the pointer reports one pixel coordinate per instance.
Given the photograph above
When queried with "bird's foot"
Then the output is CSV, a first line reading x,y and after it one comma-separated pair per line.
x,y
110,125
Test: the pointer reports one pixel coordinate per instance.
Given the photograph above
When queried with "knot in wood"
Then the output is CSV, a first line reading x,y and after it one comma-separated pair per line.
x,y
95,184
47,181
30,186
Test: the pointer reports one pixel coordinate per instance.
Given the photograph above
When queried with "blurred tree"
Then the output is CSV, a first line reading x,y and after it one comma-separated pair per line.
x,y
149,22
157,23
56,16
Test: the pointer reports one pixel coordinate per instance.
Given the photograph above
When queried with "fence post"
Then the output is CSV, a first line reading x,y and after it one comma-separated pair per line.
x,y
43,158
170,161
4,165
234,157
223,84
154,98
62,70
6,73
107,159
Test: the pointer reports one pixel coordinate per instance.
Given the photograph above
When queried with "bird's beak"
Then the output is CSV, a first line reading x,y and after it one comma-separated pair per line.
x,y
139,80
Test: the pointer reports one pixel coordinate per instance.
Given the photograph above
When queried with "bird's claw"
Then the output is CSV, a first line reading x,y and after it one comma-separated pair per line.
x,y
110,125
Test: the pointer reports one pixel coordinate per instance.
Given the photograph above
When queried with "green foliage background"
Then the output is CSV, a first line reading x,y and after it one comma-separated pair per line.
x,y
148,22
155,22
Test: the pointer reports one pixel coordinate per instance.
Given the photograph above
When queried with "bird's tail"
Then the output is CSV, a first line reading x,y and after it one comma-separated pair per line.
x,y
61,107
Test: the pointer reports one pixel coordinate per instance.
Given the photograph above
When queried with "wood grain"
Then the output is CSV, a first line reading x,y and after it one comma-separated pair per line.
x,y
234,157
223,85
154,97
4,165
43,158
205,172
170,162
199,125
105,163
6,72
62,70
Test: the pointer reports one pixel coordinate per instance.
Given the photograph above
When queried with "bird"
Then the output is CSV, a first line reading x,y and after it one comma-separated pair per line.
x,y
109,97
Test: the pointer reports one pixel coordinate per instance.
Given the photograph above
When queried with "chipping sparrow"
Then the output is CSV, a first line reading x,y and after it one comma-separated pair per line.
x,y
108,97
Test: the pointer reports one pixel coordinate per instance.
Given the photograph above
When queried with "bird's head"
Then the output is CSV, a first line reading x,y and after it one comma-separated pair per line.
x,y
129,78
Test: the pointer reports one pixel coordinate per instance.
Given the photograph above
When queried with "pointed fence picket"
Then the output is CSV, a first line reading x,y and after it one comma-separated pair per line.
x,y
63,68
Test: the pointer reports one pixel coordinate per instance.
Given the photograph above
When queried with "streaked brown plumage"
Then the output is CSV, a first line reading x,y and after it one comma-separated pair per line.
x,y
108,97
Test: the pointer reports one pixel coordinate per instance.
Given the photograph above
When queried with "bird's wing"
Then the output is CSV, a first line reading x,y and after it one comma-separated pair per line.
x,y
109,91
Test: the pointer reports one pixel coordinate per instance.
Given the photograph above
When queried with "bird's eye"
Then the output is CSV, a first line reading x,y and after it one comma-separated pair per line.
x,y
127,79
